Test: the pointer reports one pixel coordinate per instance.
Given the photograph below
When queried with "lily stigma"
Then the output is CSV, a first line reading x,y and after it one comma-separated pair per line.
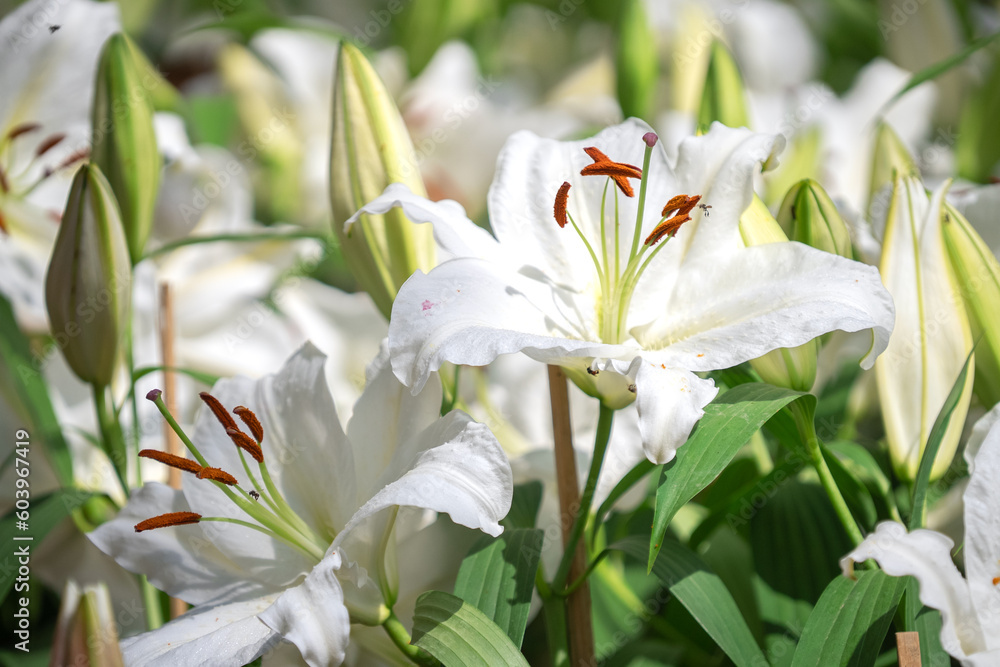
x,y
616,285
271,514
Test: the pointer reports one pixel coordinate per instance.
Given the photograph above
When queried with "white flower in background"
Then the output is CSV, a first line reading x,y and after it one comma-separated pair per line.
x,y
49,52
314,549
626,324
969,606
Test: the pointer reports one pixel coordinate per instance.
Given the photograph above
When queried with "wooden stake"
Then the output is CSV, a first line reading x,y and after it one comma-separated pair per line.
x,y
174,446
579,624
909,648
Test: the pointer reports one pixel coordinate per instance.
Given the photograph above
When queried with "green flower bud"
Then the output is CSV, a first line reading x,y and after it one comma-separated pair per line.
x,y
88,287
124,144
978,274
792,367
809,216
371,149
723,98
637,62
86,632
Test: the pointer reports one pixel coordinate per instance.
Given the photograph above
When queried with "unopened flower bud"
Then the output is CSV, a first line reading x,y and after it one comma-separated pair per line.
x,y
931,339
371,149
86,632
890,159
978,273
792,367
809,216
124,144
723,97
637,62
89,282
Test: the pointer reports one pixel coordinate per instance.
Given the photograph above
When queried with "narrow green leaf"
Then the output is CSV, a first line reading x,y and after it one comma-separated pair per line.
x,y
23,385
926,622
456,633
498,576
200,376
728,423
703,594
850,621
939,68
524,506
43,515
919,513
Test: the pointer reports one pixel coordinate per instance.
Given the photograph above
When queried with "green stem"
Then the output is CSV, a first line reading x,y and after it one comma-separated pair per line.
x,y
807,431
401,638
554,608
604,421
583,577
135,408
642,202
111,435
212,238
151,599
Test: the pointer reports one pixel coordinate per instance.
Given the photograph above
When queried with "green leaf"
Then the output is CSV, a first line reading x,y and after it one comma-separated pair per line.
x,y
43,515
728,423
939,68
926,622
456,633
524,506
919,513
977,141
703,594
22,384
850,621
856,495
498,576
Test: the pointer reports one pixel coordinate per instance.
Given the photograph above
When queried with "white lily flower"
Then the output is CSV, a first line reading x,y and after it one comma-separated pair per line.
x,y
322,550
645,321
969,606
49,52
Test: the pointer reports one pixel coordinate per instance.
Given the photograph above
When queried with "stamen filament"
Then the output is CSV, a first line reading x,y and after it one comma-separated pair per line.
x,y
285,509
593,255
307,549
257,485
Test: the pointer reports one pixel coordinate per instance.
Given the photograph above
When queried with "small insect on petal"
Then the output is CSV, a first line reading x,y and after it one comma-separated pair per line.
x,y
559,209
167,520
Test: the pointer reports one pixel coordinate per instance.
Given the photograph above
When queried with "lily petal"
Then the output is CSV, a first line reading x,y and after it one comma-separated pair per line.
x,y
453,231
312,615
469,311
982,532
764,297
468,478
227,635
926,555
670,402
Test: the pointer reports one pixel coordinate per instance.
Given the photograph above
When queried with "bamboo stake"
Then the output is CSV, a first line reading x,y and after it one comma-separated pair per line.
x,y
174,446
578,619
909,648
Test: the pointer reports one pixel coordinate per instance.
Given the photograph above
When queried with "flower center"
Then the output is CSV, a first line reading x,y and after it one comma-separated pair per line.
x,y
616,285
264,505
20,150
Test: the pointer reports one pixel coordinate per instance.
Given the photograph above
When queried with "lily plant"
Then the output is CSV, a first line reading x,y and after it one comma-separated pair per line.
x,y
970,628
287,527
632,295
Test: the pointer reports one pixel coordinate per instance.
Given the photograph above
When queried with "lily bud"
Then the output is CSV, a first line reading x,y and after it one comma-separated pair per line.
x,y
792,367
86,632
891,158
932,337
978,274
89,282
637,62
809,216
723,97
124,144
371,149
